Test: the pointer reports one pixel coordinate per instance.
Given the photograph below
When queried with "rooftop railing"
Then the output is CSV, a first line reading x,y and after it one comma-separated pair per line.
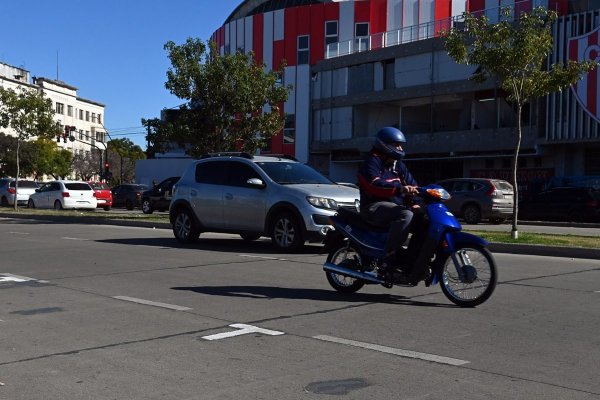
x,y
417,32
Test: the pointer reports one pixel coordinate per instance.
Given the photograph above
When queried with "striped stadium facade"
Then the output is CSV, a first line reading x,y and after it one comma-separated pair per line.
x,y
331,114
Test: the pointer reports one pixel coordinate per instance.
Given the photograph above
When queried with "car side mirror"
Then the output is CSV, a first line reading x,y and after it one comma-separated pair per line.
x,y
37,190
257,183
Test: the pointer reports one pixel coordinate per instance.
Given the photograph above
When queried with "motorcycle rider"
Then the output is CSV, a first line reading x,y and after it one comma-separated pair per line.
x,y
384,180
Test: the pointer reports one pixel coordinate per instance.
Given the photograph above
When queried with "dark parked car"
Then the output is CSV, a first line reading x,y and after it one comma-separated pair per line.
x,y
128,195
474,199
574,204
159,197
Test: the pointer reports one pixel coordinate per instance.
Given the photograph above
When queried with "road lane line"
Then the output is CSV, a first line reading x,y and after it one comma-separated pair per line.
x,y
18,278
263,257
152,303
72,238
395,351
20,233
242,329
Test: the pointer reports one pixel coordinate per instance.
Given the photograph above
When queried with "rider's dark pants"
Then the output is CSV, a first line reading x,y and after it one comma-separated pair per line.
x,y
384,213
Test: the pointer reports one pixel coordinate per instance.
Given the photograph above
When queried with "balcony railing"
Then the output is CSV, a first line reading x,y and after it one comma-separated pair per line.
x,y
416,32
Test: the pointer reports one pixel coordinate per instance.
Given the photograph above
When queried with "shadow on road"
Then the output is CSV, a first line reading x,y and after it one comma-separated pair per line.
x,y
225,245
271,292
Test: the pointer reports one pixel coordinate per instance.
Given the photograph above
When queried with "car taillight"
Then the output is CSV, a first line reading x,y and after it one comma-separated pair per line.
x,y
492,190
138,194
95,194
12,191
65,194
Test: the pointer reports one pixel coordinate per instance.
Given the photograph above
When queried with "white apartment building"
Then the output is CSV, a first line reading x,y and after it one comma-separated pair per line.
x,y
87,116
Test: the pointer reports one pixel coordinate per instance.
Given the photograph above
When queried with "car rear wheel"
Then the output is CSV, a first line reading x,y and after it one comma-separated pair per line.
x,y
58,205
286,233
185,228
146,207
472,214
107,208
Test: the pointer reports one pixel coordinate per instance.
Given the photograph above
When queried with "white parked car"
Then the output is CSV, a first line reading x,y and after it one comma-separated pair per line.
x,y
8,191
64,194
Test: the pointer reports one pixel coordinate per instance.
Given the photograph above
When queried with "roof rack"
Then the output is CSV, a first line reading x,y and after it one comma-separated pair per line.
x,y
228,154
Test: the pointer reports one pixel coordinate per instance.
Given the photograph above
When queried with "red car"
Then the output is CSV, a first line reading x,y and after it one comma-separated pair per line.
x,y
103,194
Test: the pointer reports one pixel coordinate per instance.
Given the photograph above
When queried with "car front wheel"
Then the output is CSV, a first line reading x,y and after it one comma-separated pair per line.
x,y
185,228
286,233
30,204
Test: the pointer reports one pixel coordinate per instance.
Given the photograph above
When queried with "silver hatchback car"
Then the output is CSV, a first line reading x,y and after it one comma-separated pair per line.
x,y
256,196
475,199
8,191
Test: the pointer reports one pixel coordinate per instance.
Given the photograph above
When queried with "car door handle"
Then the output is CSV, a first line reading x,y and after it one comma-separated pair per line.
x,y
228,196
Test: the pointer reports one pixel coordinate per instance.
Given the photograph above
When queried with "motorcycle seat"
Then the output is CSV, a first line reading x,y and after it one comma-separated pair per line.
x,y
352,217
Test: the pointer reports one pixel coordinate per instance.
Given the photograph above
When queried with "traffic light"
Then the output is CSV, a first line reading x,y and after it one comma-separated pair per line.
x,y
106,168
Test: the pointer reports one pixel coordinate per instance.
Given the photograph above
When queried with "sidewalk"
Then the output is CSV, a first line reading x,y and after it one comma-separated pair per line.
x,y
528,249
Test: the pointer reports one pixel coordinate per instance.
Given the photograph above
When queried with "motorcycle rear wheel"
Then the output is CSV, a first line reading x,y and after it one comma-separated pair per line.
x,y
347,257
479,276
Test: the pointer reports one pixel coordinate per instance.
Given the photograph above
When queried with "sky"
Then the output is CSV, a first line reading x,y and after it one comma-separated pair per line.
x,y
111,50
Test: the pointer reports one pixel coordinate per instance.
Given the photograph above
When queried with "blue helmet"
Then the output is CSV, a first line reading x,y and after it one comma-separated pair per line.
x,y
386,140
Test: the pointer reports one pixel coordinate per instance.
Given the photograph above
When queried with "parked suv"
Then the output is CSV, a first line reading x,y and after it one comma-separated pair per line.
x,y
475,199
128,195
159,197
8,191
256,196
573,204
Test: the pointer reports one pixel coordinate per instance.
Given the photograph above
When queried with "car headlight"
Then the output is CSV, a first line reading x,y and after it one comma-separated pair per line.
x,y
323,202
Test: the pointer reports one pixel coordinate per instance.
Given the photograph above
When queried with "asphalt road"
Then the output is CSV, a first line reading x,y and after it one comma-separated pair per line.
x,y
110,312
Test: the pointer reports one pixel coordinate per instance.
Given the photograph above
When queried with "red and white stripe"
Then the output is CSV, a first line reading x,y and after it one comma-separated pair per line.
x,y
586,90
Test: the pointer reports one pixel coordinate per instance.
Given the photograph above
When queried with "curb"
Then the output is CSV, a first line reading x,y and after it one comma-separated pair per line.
x,y
525,249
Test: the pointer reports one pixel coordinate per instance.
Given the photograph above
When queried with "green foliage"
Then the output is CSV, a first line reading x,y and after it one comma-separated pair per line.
x,y
231,102
515,53
122,155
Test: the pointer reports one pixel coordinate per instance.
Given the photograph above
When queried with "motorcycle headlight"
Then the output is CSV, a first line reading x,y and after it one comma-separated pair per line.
x,y
323,202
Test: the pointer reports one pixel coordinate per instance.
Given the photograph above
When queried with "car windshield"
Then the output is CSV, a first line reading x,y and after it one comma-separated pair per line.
x,y
77,186
99,186
25,184
286,173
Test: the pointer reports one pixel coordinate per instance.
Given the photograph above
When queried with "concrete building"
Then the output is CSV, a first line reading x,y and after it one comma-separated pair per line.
x,y
359,65
85,115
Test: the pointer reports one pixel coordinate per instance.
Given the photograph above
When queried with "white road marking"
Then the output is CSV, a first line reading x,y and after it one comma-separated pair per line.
x,y
243,329
152,303
20,233
17,278
263,257
392,350
72,238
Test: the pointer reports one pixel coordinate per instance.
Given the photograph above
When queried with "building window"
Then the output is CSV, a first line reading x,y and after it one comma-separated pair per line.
x,y
93,117
81,115
70,111
289,129
60,108
361,36
331,32
303,50
87,115
99,118
87,135
81,134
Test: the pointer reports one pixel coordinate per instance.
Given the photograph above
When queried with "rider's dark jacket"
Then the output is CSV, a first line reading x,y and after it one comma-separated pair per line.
x,y
380,182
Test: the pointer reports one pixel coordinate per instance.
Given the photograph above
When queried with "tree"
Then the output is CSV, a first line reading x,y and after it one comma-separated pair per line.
x,y
28,113
231,102
515,53
87,164
43,157
122,155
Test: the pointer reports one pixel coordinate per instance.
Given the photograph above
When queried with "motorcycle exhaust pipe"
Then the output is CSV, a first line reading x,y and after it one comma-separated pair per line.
x,y
329,267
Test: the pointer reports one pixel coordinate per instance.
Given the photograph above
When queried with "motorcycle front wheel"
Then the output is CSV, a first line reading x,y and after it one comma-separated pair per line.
x,y
468,276
346,257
